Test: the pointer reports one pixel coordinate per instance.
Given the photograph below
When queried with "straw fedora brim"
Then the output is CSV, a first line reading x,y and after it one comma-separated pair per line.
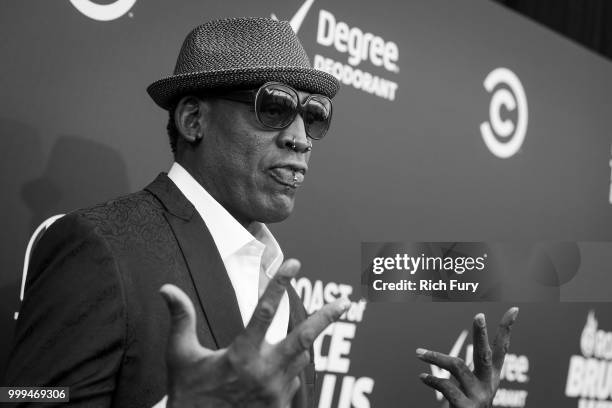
x,y
166,91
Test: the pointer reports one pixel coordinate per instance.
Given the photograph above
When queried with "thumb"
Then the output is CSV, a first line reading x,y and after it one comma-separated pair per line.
x,y
182,339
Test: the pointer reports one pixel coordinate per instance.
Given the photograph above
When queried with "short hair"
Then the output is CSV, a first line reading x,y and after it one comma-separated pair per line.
x,y
173,132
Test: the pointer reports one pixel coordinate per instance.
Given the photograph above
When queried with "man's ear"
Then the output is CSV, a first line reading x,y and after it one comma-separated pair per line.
x,y
189,118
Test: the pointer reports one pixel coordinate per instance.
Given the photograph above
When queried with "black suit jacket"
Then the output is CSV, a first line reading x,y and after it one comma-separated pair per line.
x,y
92,317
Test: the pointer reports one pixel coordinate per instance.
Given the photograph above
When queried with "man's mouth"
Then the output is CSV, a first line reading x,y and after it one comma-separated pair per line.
x,y
288,175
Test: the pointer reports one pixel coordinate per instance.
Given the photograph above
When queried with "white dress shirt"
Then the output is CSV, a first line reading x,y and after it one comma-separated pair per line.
x,y
248,255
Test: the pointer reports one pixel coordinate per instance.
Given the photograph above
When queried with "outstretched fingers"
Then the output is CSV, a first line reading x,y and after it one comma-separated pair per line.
x,y
182,339
482,349
268,303
501,344
450,390
454,365
302,337
478,388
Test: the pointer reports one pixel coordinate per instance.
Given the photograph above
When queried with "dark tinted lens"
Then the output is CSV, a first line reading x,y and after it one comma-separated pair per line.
x,y
317,116
276,107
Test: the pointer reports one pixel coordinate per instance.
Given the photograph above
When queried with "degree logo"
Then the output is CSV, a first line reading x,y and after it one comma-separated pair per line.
x,y
103,12
299,16
502,137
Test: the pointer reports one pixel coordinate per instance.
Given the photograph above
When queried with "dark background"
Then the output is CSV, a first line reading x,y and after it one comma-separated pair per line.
x,y
77,128
587,22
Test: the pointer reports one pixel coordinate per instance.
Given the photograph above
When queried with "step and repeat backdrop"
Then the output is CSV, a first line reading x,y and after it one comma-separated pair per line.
x,y
456,121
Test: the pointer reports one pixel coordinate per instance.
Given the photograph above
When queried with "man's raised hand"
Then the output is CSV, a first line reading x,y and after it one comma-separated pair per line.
x,y
250,372
473,389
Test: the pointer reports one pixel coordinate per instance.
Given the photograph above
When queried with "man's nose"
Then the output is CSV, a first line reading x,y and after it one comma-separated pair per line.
x,y
293,137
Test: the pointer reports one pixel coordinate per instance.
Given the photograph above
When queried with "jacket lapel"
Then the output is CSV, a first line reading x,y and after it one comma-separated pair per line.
x,y
215,293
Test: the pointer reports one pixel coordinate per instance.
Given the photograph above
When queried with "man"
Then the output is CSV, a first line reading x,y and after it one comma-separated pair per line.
x,y
244,106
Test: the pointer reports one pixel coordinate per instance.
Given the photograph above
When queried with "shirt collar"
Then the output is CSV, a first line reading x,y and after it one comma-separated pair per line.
x,y
229,235
272,254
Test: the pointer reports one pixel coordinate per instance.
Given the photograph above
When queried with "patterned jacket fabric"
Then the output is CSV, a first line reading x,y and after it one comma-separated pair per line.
x,y
92,318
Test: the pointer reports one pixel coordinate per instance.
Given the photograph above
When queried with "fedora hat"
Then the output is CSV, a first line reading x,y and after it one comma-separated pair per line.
x,y
240,53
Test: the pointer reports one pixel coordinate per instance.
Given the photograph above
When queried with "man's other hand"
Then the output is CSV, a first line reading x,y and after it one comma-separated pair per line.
x,y
473,389
250,372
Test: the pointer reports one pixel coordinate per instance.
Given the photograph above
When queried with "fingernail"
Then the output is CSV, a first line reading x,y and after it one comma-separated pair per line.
x,y
345,304
423,376
515,312
420,352
480,320
289,268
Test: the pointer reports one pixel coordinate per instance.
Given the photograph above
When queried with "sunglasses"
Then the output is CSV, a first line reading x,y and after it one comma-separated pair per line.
x,y
276,106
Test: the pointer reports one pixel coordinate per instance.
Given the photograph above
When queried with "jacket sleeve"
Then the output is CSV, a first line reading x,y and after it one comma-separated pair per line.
x,y
71,330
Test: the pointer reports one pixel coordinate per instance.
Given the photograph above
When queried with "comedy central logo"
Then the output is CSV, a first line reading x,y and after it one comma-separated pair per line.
x,y
103,12
503,137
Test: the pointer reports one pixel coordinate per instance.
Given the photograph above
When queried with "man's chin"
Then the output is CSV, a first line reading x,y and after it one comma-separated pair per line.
x,y
273,220
279,211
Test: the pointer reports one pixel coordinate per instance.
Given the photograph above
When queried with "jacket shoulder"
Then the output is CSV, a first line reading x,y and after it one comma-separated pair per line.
x,y
128,226
135,230
132,208
133,216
